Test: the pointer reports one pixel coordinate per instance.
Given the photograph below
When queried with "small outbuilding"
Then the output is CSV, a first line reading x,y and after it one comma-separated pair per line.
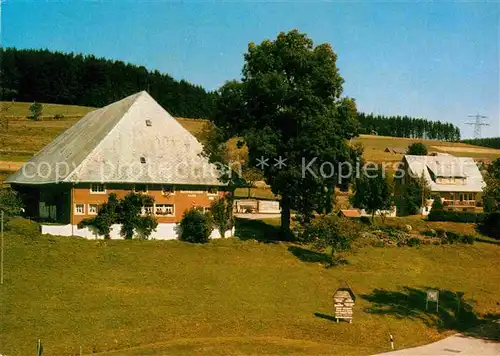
x,y
349,213
395,150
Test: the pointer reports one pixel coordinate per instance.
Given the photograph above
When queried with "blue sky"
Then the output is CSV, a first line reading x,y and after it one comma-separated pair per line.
x,y
434,60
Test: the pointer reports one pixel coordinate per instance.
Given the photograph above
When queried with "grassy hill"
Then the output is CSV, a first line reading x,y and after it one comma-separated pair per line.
x,y
17,109
375,146
24,137
230,296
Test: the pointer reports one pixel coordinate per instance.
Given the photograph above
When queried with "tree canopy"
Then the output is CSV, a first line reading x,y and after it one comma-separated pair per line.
x,y
405,126
417,149
491,193
289,112
372,191
74,79
127,212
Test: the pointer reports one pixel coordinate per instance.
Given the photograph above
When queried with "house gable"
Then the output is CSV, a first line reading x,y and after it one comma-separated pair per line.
x,y
133,140
446,173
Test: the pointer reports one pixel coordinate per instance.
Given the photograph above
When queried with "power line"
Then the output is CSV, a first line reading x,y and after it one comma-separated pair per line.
x,y
477,123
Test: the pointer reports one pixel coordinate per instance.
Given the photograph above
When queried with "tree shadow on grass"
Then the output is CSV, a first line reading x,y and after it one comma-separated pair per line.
x,y
309,256
410,303
248,229
325,316
306,255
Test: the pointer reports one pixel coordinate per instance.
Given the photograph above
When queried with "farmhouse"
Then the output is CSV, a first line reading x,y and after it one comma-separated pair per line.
x,y
131,145
457,180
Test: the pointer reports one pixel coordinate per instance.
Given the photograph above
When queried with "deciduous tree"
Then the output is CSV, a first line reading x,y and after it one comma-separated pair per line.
x,y
372,191
491,193
126,212
417,149
333,232
221,214
36,111
288,108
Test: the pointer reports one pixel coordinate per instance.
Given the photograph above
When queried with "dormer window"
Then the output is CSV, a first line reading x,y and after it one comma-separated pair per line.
x,y
148,123
143,159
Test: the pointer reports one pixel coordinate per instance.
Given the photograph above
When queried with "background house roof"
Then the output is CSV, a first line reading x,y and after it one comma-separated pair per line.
x,y
110,144
350,213
447,166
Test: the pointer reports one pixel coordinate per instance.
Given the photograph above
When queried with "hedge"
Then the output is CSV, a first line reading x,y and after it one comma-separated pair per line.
x,y
455,216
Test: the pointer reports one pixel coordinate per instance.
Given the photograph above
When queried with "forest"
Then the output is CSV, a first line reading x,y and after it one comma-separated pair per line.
x,y
74,79
404,126
491,142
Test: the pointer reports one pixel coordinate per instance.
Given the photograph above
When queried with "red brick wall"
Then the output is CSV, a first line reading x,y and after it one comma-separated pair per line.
x,y
81,194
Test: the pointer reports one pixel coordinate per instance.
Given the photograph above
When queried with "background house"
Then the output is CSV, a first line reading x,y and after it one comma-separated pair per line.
x,y
457,180
130,145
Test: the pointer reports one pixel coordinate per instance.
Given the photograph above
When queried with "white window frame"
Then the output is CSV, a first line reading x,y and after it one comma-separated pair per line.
x,y
90,212
203,209
144,209
171,214
76,212
97,192
193,192
167,193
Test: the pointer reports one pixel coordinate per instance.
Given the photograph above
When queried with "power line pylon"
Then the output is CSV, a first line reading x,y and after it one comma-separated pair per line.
x,y
477,123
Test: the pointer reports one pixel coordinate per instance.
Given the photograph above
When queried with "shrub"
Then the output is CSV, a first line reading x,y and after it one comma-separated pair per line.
x,y
437,204
58,117
417,149
10,203
430,233
36,111
491,225
195,226
221,211
452,238
126,212
468,239
441,233
413,241
455,238
331,231
455,216
365,220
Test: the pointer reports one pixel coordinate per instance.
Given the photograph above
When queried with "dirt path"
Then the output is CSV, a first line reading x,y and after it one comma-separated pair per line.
x,y
457,344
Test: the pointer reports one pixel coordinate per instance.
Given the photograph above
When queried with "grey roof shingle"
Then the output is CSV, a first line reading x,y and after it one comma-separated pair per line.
x,y
107,145
448,167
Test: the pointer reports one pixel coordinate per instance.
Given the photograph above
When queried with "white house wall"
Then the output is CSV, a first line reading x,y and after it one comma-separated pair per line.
x,y
163,232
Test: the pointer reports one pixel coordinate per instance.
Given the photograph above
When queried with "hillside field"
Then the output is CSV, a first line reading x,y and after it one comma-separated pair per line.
x,y
232,296
25,137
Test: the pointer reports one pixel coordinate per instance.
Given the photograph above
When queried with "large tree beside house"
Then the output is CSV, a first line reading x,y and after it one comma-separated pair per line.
x,y
289,112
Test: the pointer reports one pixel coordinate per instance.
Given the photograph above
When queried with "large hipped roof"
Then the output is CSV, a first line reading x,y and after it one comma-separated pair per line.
x,y
133,140
463,168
